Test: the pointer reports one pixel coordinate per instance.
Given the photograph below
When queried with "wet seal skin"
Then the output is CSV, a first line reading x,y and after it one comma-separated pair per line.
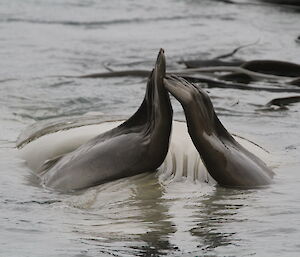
x,y
284,101
271,67
279,68
229,163
138,145
283,2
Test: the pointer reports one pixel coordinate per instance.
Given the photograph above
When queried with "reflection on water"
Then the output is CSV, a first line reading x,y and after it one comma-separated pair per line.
x,y
154,214
152,219
218,210
137,218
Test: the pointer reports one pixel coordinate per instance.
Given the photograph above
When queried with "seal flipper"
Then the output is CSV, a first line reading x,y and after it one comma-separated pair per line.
x,y
156,99
155,114
229,163
138,145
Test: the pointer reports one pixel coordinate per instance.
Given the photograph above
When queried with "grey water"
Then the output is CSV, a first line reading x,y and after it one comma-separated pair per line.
x,y
139,216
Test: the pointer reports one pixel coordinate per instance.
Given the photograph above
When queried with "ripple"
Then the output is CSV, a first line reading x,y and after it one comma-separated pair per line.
x,y
97,24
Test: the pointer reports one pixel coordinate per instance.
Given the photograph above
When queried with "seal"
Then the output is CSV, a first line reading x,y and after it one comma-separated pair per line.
x,y
283,2
273,67
45,140
138,145
229,163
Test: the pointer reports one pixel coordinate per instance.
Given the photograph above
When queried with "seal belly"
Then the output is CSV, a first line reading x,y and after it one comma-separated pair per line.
x,y
183,160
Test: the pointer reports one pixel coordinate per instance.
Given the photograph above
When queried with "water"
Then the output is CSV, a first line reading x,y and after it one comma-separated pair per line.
x,y
138,216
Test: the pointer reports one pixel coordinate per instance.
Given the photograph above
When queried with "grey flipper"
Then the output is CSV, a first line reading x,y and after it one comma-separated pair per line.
x,y
138,145
229,163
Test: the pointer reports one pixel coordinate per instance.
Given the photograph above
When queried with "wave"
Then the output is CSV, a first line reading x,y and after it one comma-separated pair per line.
x,y
92,24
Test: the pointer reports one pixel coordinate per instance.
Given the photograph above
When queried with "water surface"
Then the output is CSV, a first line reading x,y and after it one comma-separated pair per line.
x,y
138,216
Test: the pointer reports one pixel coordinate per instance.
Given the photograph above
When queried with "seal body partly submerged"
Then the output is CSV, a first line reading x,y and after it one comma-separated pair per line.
x,y
44,141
